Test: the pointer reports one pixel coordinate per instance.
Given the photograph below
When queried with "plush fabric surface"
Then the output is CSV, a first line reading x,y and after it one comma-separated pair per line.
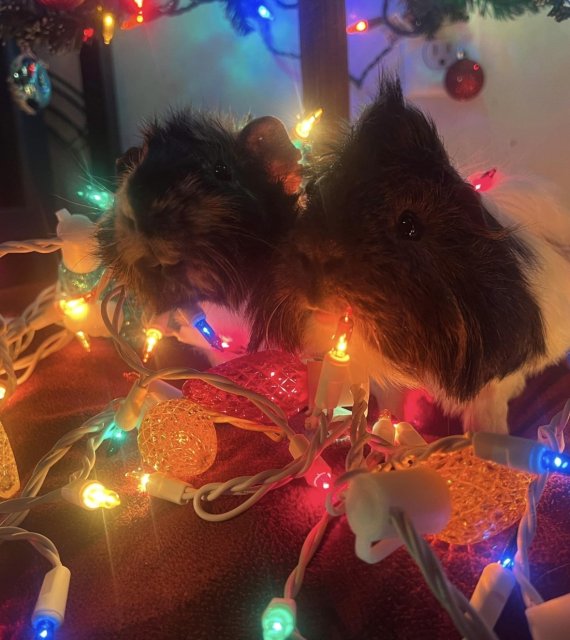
x,y
154,570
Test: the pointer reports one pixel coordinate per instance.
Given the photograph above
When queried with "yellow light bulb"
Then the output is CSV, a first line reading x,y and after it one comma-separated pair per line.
x,y
304,127
153,337
143,482
342,336
340,348
108,30
2,392
96,496
84,340
75,308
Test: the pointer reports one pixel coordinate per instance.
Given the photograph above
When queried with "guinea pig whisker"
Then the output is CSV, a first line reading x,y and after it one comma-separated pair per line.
x,y
272,316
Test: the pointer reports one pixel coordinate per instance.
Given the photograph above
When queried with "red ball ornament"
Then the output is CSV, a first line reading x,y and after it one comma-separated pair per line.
x,y
464,79
61,5
278,376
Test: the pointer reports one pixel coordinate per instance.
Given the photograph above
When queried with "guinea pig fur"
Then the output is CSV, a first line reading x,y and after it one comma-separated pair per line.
x,y
199,209
458,294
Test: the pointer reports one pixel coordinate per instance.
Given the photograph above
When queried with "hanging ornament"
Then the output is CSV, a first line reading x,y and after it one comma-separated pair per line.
x,y
464,79
61,5
278,376
486,498
9,478
29,83
179,438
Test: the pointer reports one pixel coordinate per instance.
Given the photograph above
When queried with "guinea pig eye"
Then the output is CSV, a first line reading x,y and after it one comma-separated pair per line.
x,y
222,171
409,226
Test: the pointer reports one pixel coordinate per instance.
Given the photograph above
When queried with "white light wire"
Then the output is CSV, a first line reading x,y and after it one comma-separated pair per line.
x,y
42,544
466,620
30,246
553,436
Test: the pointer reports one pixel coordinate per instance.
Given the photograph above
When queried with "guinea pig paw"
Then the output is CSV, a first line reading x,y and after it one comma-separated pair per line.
x,y
489,410
484,416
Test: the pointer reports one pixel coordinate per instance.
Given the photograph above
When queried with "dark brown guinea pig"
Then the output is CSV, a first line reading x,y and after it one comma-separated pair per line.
x,y
450,292
199,209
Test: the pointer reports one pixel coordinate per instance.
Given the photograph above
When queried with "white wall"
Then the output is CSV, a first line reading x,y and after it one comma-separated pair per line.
x,y
198,59
520,122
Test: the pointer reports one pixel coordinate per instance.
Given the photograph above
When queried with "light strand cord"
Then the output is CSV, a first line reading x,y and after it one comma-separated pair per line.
x,y
553,435
41,543
466,620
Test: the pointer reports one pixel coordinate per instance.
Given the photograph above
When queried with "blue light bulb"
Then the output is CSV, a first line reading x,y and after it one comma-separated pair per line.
x,y
507,563
557,462
44,629
264,12
202,325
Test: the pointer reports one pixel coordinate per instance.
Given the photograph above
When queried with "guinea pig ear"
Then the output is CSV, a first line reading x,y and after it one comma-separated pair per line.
x,y
125,162
265,141
392,125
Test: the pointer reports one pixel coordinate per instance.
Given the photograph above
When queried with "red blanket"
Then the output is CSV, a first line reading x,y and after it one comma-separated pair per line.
x,y
150,569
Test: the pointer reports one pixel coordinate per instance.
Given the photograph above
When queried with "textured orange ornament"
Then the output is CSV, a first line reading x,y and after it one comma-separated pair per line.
x,y
9,478
179,438
486,498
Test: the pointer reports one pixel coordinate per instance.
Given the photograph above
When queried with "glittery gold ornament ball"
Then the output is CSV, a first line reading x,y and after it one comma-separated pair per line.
x,y
179,438
486,498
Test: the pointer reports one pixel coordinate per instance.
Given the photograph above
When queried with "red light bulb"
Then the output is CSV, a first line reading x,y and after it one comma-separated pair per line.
x,y
483,182
319,474
357,27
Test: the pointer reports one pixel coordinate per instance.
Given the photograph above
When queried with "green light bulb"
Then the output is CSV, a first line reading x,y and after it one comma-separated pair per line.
x,y
278,620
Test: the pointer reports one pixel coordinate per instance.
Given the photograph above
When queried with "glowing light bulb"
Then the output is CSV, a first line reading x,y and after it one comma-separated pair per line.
x,y
44,629
551,461
153,337
2,392
84,340
483,182
75,308
264,12
304,128
507,563
357,27
95,496
143,482
97,197
342,336
520,453
207,331
278,620
141,478
108,30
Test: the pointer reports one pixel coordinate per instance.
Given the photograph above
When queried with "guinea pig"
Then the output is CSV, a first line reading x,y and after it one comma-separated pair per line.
x,y
199,209
452,292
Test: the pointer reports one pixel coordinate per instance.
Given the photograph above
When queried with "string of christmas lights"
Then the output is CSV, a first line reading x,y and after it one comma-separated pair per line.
x,y
389,460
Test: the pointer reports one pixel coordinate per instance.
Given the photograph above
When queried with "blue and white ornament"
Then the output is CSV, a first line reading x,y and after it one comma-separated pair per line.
x,y
29,83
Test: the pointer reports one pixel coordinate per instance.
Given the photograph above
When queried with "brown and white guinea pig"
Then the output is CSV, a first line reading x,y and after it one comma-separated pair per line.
x,y
449,292
199,209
